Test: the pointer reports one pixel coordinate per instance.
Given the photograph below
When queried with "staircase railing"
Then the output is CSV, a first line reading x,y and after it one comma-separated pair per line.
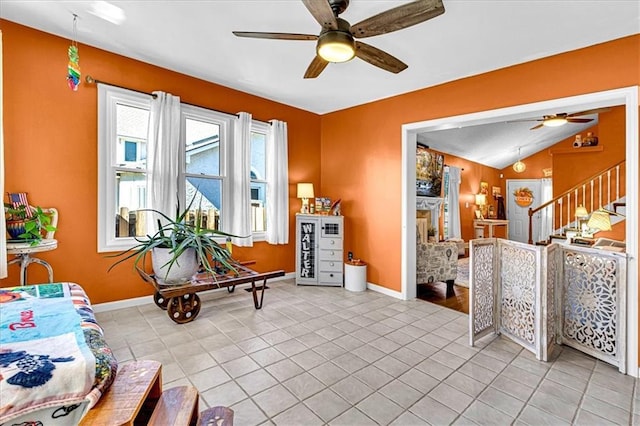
x,y
590,193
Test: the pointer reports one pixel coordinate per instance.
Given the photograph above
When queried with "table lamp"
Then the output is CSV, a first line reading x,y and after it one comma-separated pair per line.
x,y
581,219
305,191
600,221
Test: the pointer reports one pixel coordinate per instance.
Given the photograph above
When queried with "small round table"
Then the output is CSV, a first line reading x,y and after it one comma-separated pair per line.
x,y
23,252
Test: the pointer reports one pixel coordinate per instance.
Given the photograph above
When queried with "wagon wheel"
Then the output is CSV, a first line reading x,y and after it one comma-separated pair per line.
x,y
160,301
183,309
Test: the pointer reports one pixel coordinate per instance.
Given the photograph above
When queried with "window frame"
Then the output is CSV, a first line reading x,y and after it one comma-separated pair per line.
x,y
262,128
225,123
108,99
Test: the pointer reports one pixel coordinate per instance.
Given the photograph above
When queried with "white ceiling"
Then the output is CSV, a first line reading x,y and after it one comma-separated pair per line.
x,y
497,144
471,37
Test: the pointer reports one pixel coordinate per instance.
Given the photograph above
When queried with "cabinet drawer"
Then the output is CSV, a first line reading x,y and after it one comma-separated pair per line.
x,y
328,243
331,265
334,255
330,278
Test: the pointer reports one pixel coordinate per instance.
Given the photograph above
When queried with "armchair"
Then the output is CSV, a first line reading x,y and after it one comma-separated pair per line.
x,y
437,262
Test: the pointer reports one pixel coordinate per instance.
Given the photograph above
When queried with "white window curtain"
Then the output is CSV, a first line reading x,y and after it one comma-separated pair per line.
x,y
455,177
3,231
546,214
238,211
164,158
278,184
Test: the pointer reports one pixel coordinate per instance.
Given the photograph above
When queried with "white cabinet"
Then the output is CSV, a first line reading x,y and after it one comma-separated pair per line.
x,y
319,253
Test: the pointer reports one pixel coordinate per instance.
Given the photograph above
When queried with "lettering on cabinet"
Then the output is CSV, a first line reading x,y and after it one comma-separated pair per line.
x,y
307,243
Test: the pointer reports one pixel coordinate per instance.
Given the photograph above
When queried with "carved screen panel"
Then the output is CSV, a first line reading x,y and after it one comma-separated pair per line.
x,y
518,293
553,262
592,286
482,317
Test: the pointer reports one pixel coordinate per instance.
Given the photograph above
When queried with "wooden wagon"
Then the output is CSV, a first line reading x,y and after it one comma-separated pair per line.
x,y
182,302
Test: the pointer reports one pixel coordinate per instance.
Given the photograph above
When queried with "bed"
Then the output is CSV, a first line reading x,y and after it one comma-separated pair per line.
x,y
54,362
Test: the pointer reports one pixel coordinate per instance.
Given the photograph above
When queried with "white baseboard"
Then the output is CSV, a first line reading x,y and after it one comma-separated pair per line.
x,y
145,300
384,290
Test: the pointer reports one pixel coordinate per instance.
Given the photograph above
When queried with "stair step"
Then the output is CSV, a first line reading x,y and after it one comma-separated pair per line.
x,y
177,406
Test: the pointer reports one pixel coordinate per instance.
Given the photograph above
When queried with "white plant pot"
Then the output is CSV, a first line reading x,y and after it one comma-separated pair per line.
x,y
180,272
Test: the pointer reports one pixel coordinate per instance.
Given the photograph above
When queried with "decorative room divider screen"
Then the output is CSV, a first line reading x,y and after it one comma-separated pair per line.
x,y
539,296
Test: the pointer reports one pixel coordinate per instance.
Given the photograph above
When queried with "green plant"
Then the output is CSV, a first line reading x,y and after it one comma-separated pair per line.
x,y
178,235
28,228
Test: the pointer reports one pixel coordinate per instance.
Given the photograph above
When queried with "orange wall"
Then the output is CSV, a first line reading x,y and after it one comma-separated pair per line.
x,y
51,150
371,133
358,148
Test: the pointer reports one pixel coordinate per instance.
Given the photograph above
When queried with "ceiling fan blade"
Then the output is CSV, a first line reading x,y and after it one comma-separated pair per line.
x,y
579,120
523,120
315,67
536,127
589,112
398,18
322,12
276,36
379,58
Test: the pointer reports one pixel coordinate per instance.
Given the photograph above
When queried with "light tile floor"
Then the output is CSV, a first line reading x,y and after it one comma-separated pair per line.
x,y
323,355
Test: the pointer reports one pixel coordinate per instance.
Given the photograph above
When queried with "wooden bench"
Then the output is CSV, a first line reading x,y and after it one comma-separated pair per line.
x,y
138,385
176,407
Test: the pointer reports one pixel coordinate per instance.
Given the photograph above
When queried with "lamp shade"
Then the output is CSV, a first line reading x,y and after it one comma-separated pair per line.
x,y
600,220
581,211
519,166
305,190
481,199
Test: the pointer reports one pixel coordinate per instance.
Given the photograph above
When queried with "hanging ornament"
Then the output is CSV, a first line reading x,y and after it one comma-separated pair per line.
x,y
519,166
73,68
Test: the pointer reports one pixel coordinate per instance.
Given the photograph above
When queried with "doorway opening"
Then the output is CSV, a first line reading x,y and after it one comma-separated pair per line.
x,y
628,97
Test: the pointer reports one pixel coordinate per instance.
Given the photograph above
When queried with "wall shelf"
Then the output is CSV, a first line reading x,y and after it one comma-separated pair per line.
x,y
581,150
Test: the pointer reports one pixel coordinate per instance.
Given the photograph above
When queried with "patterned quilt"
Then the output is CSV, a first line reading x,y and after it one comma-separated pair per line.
x,y
54,362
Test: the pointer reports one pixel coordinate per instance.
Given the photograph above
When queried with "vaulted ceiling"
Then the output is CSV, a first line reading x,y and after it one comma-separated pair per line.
x,y
471,37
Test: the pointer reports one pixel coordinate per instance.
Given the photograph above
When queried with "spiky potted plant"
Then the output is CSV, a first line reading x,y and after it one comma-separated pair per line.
x,y
179,248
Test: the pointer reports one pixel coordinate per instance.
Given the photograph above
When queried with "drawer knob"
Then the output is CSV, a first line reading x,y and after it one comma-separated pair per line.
x,y
332,253
331,275
331,263
332,242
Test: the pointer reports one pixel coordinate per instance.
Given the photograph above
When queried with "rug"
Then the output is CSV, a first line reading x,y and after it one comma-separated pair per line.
x,y
462,279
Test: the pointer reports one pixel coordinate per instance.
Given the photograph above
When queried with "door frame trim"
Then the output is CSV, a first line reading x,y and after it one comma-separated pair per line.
x,y
627,96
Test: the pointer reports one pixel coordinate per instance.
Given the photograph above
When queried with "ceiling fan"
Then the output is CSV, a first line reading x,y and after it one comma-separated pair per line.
x,y
336,41
556,120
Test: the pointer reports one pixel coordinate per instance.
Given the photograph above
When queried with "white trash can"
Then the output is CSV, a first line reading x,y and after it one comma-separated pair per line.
x,y
355,275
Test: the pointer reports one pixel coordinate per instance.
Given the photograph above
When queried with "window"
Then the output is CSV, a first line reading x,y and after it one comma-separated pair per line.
x,y
258,177
123,126
204,177
123,175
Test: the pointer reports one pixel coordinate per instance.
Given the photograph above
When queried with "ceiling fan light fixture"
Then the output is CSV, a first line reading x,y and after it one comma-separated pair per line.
x,y
554,122
336,46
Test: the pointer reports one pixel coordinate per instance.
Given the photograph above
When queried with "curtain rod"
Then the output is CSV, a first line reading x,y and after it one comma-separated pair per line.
x,y
91,80
461,168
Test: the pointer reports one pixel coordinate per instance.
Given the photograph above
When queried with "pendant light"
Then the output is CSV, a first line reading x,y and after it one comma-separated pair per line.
x,y
519,166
